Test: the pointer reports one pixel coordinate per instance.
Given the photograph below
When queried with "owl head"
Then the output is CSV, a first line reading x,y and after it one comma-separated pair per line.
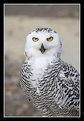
x,y
43,42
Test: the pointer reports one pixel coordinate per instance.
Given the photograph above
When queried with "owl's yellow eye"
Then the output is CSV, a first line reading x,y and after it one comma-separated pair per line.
x,y
50,39
35,39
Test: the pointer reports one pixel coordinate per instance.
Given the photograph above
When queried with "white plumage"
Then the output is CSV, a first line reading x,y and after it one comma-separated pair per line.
x,y
51,84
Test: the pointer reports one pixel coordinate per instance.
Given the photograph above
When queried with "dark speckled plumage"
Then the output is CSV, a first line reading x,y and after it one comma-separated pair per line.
x,y
53,93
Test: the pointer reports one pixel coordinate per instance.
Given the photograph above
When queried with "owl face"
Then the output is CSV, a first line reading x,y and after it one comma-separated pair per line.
x,y
43,42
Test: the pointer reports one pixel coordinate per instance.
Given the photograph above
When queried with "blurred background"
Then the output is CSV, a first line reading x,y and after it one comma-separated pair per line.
x,y
19,20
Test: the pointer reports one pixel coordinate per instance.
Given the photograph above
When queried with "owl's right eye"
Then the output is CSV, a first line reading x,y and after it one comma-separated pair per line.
x,y
35,39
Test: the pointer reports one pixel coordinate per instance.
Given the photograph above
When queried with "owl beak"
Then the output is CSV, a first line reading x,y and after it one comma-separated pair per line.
x,y
42,49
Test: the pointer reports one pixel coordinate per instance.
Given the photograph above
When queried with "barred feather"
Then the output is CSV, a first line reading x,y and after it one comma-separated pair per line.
x,y
59,89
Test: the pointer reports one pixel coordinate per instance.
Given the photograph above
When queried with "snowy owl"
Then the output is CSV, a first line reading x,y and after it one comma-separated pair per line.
x,y
51,84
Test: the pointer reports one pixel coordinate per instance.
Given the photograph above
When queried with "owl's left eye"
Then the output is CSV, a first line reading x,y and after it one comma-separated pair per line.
x,y
35,39
50,39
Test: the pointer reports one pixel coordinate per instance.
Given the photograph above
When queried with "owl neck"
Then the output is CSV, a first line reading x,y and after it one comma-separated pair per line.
x,y
47,56
39,65
43,59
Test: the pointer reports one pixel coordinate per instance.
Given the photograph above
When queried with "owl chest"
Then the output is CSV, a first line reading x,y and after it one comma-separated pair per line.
x,y
38,69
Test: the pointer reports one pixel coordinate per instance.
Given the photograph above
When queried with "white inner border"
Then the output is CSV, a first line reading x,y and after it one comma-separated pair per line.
x,y
4,62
